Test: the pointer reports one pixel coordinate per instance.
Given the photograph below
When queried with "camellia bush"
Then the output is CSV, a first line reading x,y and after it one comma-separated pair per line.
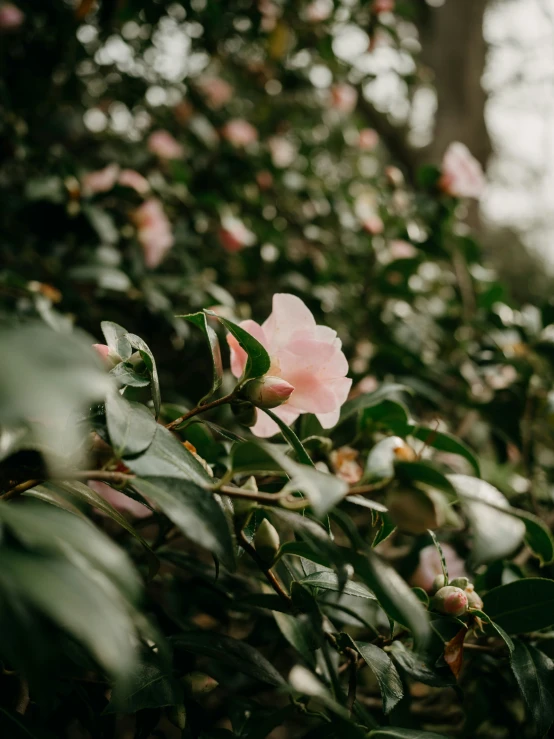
x,y
276,446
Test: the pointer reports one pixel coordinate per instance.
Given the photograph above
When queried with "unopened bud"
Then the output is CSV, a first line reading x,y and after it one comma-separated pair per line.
x,y
178,716
268,391
198,683
451,601
267,541
106,354
439,582
473,599
245,413
461,582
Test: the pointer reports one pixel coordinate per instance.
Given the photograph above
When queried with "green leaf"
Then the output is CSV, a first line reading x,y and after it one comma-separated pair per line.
x,y
380,461
149,686
258,362
508,641
534,672
131,426
370,399
201,321
84,494
445,443
252,459
384,670
322,490
305,682
116,339
394,595
193,510
167,457
16,726
125,375
387,413
538,536
426,473
148,359
236,654
415,668
327,580
391,732
292,439
496,532
298,630
522,606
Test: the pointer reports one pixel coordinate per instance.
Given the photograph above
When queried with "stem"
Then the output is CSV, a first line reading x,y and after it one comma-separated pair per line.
x,y
352,679
108,476
270,577
18,489
201,409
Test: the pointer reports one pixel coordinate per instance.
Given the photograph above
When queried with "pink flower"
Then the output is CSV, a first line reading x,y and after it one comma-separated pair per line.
x,y
318,11
462,175
103,350
101,180
233,234
11,17
373,225
430,566
307,356
216,91
283,152
131,178
383,6
344,97
368,139
154,232
121,502
163,145
400,249
239,132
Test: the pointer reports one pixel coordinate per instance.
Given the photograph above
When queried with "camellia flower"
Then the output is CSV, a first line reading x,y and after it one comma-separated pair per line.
x,y
11,17
154,231
430,566
102,349
233,234
400,249
368,139
462,175
216,91
318,11
283,152
121,502
101,180
383,6
131,178
344,97
239,132
163,145
307,356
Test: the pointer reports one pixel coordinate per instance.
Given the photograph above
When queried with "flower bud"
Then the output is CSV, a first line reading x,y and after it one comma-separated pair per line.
x,y
439,582
460,582
266,541
451,601
268,391
198,683
473,599
244,412
105,353
178,716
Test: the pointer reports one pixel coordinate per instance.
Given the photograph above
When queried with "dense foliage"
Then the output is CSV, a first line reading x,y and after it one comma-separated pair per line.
x,y
168,171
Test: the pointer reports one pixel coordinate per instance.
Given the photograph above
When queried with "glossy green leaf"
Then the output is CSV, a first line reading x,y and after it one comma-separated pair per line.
x,y
384,670
305,682
194,510
125,375
148,358
534,672
236,654
426,473
368,400
252,459
148,686
258,362
414,667
116,339
327,580
201,321
389,414
299,632
522,606
445,443
168,457
131,425
295,443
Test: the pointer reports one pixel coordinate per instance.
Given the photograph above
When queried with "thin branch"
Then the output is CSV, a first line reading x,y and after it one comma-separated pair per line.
x,y
352,679
200,409
18,489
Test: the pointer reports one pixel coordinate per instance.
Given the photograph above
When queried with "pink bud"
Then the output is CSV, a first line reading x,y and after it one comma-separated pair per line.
x,y
103,350
268,391
451,601
11,17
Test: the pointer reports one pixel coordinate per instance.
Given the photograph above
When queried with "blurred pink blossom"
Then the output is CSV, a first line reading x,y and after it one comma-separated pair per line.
x,y
239,132
374,225
430,566
344,97
217,92
264,179
462,175
102,349
233,234
307,356
318,11
383,6
400,249
162,144
283,152
153,232
368,140
11,17
121,502
102,180
346,465
131,178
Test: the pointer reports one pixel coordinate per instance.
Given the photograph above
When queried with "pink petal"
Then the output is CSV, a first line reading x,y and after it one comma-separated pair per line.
x,y
265,427
289,315
238,355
